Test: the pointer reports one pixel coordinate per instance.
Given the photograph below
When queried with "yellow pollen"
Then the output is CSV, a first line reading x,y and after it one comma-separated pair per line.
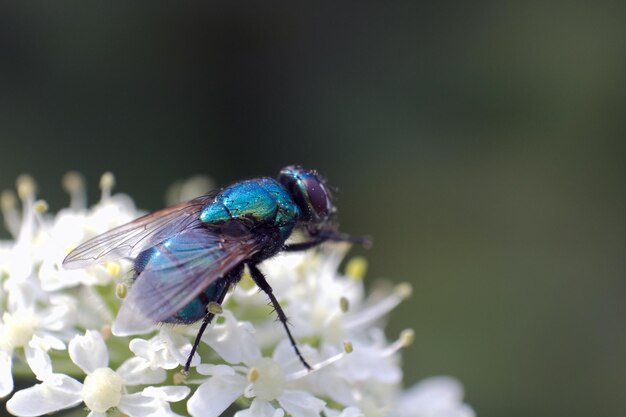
x,y
347,347
113,268
41,206
356,268
253,374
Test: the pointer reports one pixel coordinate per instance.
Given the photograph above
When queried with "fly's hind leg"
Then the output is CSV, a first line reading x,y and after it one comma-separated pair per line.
x,y
260,281
232,277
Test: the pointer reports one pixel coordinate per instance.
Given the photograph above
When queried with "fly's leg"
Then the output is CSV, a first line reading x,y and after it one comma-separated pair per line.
x,y
294,247
324,235
260,281
233,276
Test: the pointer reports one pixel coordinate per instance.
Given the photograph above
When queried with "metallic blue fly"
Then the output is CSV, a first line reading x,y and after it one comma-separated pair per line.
x,y
187,256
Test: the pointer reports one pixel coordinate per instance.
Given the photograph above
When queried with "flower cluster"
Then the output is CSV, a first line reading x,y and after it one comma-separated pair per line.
x,y
56,327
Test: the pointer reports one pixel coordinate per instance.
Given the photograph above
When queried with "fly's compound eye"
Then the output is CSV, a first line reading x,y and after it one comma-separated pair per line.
x,y
309,192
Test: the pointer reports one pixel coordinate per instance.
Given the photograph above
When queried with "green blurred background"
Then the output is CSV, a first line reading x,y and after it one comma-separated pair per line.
x,y
482,145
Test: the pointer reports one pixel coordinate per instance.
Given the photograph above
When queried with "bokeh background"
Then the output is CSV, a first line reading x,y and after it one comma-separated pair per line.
x,y
481,144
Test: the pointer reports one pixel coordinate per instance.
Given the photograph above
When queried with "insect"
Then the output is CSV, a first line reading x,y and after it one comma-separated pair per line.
x,y
186,257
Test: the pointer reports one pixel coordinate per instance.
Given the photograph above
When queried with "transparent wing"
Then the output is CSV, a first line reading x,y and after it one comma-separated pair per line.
x,y
130,239
179,269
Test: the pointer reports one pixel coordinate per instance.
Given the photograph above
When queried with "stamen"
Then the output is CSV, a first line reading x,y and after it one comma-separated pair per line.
x,y
121,291
381,308
406,339
253,374
179,378
107,182
215,308
113,269
106,332
26,186
74,184
356,268
347,349
26,189
8,204
344,304
40,206
404,290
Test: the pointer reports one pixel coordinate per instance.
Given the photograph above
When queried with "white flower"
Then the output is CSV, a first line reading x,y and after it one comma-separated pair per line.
x,y
166,350
264,380
433,397
43,307
32,329
102,389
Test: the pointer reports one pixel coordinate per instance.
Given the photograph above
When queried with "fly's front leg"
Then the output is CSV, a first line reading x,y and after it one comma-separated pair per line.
x,y
260,281
331,235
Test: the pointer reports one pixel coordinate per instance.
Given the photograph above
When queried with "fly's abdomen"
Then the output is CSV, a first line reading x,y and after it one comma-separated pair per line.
x,y
178,253
197,308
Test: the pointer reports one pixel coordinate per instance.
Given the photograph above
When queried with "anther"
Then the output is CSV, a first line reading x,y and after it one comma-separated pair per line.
x,y
344,304
214,308
26,186
121,291
356,267
74,184
113,269
404,290
40,206
107,182
253,374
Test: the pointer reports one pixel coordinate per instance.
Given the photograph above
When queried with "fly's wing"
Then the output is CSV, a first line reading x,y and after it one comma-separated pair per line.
x,y
179,269
130,239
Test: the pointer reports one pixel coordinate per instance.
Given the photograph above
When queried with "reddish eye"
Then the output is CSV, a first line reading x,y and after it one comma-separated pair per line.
x,y
318,197
309,193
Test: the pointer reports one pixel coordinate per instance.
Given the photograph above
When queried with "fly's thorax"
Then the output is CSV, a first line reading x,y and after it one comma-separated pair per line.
x,y
253,203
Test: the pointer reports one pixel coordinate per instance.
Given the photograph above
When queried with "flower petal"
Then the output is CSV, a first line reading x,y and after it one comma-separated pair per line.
x,y
233,340
6,378
45,398
138,405
216,395
89,351
39,361
301,403
136,371
434,396
168,393
260,408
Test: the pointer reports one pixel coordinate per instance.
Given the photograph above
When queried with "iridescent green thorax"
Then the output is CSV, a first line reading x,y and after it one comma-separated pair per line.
x,y
255,202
